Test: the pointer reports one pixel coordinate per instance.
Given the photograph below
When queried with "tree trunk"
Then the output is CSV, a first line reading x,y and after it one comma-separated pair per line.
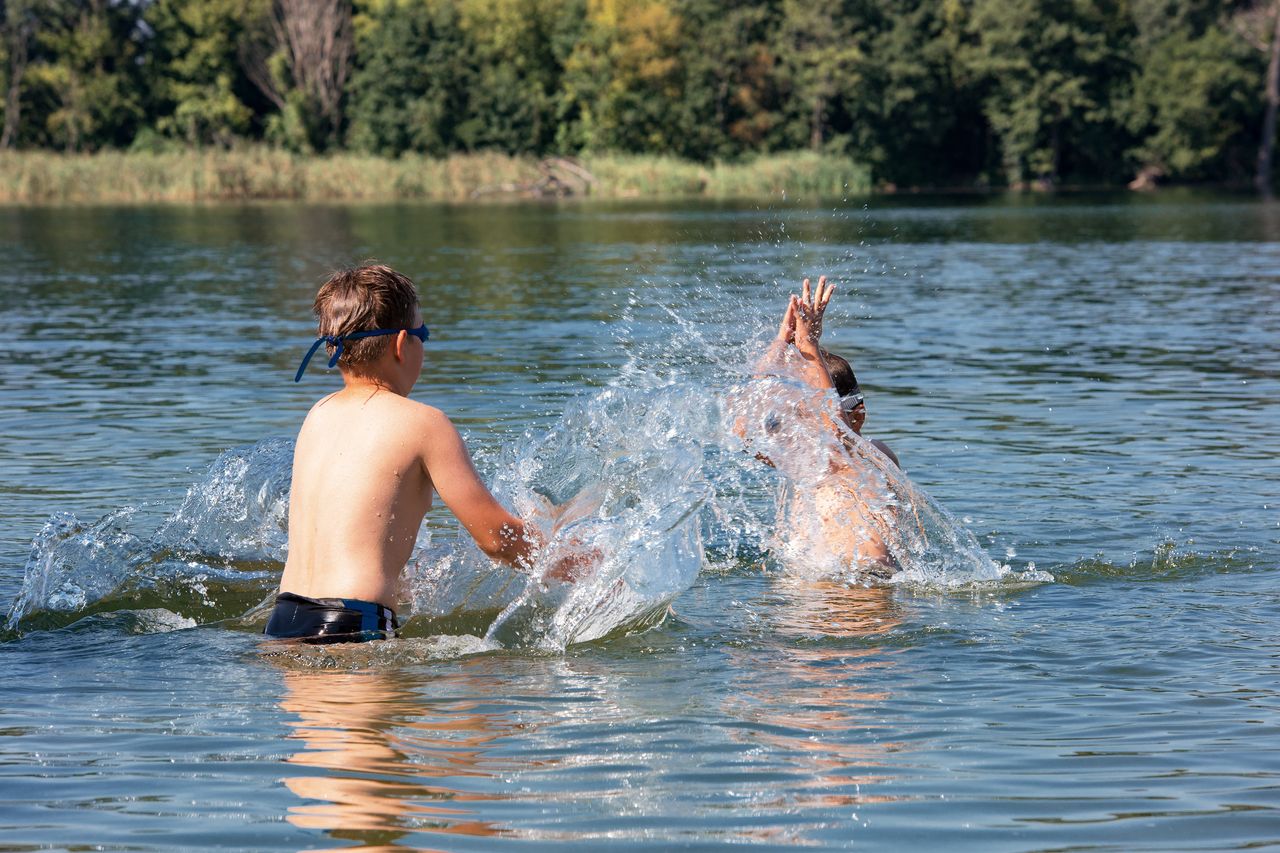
x,y
1055,149
815,124
13,98
1267,146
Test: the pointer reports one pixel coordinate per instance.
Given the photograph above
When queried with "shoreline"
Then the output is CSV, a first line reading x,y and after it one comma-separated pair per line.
x,y
266,175
37,178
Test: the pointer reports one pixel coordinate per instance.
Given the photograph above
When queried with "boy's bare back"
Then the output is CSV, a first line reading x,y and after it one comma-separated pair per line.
x,y
366,464
360,491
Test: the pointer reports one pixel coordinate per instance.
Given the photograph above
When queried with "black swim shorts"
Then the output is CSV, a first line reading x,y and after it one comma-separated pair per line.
x,y
330,620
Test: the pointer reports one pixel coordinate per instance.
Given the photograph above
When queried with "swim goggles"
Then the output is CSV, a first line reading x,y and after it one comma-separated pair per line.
x,y
421,333
849,402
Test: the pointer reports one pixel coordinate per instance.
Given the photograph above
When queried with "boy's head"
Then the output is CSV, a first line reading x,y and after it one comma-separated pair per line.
x,y
362,299
846,384
841,374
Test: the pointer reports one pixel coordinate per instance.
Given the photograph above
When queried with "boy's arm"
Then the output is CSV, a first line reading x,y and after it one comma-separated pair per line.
x,y
500,535
808,309
771,363
775,356
802,327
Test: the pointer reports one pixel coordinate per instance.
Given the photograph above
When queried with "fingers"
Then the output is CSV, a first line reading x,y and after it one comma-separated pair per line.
x,y
824,292
816,297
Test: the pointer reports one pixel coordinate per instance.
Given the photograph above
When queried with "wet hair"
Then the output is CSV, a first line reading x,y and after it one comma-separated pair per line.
x,y
841,374
361,299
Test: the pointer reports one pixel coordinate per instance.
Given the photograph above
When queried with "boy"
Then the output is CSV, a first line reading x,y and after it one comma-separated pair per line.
x,y
836,516
365,465
853,408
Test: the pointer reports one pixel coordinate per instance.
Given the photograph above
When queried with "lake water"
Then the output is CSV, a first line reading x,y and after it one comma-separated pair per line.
x,y
1084,655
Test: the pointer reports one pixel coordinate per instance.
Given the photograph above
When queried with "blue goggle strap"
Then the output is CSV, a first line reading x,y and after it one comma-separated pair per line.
x,y
336,342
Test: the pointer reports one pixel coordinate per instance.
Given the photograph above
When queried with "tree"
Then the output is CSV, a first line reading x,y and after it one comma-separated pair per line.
x,y
1259,24
19,19
917,118
1192,105
300,58
622,77
412,80
197,84
1267,146
515,48
87,74
821,54
730,99
1046,68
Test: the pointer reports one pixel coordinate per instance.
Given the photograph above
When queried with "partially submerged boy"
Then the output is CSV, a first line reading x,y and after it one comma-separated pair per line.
x,y
842,512
366,463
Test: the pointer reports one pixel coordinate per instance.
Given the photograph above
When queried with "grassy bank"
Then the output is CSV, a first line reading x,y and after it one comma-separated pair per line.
x,y
38,177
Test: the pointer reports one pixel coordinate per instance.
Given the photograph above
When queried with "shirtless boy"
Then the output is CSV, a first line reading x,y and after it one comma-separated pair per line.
x,y
365,465
832,517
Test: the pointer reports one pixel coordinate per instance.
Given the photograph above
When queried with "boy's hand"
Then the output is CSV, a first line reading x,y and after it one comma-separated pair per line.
x,y
808,309
787,331
580,562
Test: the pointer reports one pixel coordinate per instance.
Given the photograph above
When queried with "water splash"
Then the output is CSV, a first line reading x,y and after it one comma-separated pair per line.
x,y
645,473
215,556
837,487
239,508
620,475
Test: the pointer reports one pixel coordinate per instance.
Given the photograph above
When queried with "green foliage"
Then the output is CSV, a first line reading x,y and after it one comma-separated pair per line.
x,y
197,84
409,89
622,76
925,92
1193,106
730,101
919,119
1045,67
84,83
822,58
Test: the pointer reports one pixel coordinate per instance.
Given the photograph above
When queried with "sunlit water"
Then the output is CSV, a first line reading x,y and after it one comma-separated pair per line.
x,y
1079,649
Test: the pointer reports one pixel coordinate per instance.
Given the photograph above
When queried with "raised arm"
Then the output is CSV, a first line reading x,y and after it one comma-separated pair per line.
x,y
794,352
809,308
774,358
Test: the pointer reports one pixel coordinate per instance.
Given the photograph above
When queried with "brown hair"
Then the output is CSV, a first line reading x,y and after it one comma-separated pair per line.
x,y
368,297
841,374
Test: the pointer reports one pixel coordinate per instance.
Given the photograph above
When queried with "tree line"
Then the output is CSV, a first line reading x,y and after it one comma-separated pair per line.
x,y
943,93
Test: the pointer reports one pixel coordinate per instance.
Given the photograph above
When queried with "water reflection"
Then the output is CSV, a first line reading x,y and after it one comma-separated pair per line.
x,y
384,762
819,708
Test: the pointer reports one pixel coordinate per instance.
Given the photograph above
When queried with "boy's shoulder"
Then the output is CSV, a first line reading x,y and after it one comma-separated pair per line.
x,y
408,414
379,407
884,448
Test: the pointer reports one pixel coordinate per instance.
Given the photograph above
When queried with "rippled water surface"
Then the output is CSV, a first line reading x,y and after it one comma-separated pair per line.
x,y
1084,394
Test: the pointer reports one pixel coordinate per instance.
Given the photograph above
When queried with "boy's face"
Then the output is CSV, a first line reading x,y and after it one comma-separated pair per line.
x,y
854,411
417,348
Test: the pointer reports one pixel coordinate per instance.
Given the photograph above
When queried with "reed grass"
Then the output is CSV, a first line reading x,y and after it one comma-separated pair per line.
x,y
795,175
261,173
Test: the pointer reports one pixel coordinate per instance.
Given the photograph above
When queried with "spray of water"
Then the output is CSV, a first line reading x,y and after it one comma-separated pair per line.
x,y
648,475
212,558
839,493
620,476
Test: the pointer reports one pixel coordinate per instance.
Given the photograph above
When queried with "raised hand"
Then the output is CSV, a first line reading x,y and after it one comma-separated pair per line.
x,y
808,309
